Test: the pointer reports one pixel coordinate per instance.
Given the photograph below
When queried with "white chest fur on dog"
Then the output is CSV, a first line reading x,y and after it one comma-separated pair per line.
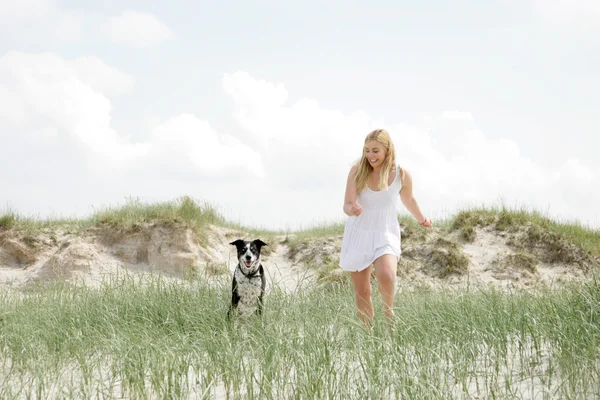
x,y
249,290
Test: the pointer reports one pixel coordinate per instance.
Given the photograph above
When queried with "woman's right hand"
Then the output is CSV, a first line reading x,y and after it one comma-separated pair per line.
x,y
356,209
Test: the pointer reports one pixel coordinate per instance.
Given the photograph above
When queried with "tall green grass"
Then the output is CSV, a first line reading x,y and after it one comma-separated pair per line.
x,y
503,218
160,339
197,214
30,226
134,212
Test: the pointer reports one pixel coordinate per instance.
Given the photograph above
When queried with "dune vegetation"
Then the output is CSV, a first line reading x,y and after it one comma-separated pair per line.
x,y
151,336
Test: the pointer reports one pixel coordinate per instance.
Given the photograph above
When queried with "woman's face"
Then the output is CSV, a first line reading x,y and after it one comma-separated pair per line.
x,y
375,153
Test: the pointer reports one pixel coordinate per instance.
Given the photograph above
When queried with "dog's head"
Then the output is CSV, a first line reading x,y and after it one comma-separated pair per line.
x,y
248,254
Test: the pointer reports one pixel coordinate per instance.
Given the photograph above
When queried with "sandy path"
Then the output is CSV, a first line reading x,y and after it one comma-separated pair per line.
x,y
282,273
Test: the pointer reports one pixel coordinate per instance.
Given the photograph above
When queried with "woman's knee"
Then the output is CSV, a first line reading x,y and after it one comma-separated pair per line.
x,y
385,270
386,274
387,278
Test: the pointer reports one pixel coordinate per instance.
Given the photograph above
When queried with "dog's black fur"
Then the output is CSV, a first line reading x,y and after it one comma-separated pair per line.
x,y
248,285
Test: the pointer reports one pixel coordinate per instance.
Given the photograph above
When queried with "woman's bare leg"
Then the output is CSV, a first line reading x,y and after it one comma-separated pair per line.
x,y
385,271
362,294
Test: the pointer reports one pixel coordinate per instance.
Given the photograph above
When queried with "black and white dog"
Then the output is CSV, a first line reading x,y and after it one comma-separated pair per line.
x,y
248,286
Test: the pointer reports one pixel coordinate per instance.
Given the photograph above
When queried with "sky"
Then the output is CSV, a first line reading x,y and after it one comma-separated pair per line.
x,y
260,108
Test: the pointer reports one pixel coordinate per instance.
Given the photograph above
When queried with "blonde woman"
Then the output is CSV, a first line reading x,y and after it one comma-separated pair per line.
x,y
372,231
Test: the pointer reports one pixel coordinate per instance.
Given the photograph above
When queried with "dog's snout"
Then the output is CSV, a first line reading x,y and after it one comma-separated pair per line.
x,y
248,257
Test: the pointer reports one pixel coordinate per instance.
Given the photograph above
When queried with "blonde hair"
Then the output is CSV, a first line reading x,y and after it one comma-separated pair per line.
x,y
364,168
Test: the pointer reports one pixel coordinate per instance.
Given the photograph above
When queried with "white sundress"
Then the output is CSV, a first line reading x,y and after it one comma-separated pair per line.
x,y
375,231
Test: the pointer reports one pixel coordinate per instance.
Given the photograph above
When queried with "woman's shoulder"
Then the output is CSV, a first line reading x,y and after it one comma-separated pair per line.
x,y
354,169
401,172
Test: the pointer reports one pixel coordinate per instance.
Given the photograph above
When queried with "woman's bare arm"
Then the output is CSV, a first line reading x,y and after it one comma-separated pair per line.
x,y
409,201
350,206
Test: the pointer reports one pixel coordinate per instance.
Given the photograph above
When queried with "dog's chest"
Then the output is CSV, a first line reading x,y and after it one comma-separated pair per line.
x,y
249,290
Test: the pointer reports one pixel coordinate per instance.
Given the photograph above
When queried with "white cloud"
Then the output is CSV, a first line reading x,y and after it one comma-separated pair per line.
x,y
56,114
25,8
457,165
188,140
454,163
463,165
40,23
457,116
136,29
102,77
582,13
305,145
254,94
48,96
290,169
50,92
573,169
65,26
11,107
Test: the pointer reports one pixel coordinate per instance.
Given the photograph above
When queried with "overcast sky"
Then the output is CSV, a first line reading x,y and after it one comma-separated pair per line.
x,y
260,107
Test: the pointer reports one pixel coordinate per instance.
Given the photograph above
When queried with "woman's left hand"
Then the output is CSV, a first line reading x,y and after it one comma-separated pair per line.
x,y
427,223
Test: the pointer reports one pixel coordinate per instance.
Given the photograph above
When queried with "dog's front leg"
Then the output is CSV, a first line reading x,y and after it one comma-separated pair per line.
x,y
260,305
235,299
230,311
263,284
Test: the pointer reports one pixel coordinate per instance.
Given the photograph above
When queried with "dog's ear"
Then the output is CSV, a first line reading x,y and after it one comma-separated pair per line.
x,y
259,243
237,243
